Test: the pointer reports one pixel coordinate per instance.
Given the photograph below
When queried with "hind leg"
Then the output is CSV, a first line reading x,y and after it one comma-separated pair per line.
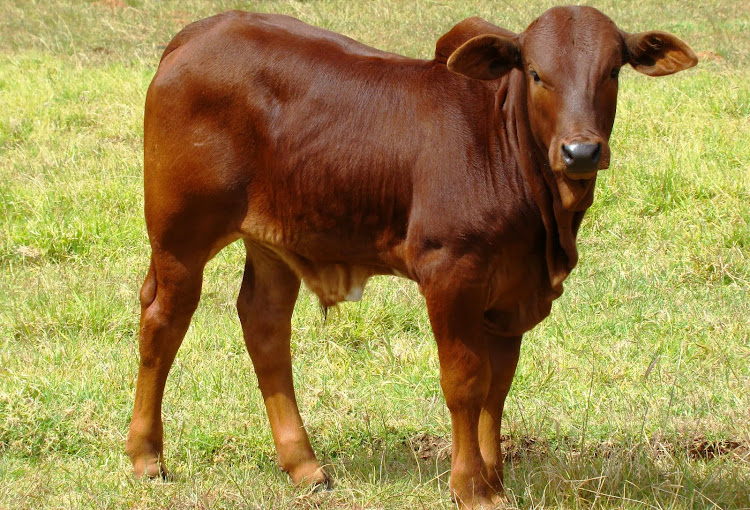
x,y
265,304
169,296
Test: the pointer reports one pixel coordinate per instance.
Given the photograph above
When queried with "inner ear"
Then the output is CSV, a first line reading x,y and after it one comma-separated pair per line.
x,y
658,53
486,57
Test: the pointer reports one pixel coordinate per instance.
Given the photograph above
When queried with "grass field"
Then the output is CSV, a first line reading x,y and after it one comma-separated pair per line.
x,y
634,393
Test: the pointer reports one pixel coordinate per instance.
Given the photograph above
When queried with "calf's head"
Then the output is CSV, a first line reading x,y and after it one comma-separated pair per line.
x,y
571,58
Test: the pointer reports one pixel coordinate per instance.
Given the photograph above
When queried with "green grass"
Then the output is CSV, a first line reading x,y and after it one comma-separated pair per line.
x,y
634,393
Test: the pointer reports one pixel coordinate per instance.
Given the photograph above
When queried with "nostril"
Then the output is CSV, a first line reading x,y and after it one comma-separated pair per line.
x,y
567,154
597,153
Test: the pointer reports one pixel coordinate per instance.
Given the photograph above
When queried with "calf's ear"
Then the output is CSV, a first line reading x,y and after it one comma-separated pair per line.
x,y
658,53
485,57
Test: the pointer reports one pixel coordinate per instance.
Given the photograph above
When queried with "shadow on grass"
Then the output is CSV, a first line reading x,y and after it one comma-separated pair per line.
x,y
661,473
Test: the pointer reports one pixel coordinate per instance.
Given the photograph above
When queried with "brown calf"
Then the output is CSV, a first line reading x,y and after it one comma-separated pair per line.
x,y
333,162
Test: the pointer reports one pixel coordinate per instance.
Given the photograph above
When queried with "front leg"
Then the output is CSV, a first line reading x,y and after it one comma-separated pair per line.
x,y
503,355
465,375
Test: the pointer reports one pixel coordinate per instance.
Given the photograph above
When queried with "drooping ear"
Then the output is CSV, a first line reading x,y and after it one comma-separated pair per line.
x,y
486,57
658,53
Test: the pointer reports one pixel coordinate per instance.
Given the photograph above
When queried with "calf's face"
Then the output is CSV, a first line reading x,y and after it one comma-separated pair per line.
x,y
571,58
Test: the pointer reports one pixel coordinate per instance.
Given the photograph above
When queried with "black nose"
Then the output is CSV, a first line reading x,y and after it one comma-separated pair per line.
x,y
581,156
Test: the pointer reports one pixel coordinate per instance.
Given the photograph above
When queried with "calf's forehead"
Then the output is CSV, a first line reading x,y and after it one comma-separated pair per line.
x,y
573,37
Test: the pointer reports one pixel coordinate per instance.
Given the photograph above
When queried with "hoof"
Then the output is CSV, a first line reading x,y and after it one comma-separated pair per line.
x,y
323,486
480,504
500,500
489,501
150,468
310,474
147,460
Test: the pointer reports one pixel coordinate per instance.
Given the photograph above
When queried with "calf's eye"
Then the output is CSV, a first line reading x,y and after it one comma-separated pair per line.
x,y
614,73
535,76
